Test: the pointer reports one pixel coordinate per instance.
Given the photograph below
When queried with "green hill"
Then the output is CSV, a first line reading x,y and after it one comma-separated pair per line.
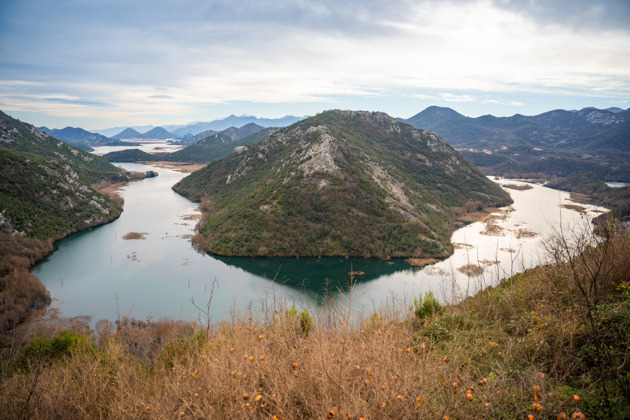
x,y
340,183
46,193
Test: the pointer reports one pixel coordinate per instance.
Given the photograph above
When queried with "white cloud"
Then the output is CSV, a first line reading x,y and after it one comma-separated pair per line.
x,y
170,61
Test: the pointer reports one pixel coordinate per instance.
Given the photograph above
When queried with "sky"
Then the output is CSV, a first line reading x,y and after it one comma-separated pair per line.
x,y
106,63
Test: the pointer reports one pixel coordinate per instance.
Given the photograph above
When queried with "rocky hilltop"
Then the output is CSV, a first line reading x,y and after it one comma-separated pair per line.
x,y
341,183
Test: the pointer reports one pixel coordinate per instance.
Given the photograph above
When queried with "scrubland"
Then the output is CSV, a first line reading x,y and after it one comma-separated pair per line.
x,y
551,342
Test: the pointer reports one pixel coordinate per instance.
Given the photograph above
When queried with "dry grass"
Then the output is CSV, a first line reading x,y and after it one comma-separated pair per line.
x,y
505,353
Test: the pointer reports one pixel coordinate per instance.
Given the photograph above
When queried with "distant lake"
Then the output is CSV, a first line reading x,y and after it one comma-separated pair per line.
x,y
101,274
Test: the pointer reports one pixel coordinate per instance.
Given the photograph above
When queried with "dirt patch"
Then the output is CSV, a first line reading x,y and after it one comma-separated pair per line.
x,y
574,207
421,262
510,250
433,271
579,198
191,217
135,235
525,233
183,167
492,227
471,270
459,245
518,187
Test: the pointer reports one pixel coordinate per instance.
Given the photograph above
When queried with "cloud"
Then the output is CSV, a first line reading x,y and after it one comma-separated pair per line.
x,y
457,98
132,58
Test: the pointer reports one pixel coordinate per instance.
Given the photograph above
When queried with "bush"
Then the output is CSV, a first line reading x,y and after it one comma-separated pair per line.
x,y
304,319
41,350
426,306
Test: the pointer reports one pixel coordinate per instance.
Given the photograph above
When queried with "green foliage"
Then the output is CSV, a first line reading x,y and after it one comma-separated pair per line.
x,y
181,349
426,306
44,351
266,204
303,318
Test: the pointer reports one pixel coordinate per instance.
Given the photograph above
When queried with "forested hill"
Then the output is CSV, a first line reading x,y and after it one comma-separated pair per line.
x,y
46,193
339,183
46,185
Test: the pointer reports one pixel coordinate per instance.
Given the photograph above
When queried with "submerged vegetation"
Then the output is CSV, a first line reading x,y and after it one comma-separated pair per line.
x,y
549,342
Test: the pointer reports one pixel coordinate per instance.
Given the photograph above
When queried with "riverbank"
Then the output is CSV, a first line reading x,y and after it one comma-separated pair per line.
x,y
523,348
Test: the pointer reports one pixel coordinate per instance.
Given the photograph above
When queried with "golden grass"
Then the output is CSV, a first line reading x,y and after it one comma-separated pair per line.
x,y
511,351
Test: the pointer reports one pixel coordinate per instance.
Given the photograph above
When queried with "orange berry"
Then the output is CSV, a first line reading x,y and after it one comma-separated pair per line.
x,y
530,417
246,396
295,365
537,407
562,416
445,359
400,397
469,396
486,405
257,398
423,346
408,350
331,414
576,398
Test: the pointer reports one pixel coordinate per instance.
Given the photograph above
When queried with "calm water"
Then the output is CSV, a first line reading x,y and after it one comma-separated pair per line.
x,y
99,273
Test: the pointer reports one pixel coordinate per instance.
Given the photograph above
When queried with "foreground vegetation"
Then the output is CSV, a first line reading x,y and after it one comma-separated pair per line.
x,y
549,342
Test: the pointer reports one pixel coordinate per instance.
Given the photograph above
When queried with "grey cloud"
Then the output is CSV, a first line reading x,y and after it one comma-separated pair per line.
x,y
594,14
74,101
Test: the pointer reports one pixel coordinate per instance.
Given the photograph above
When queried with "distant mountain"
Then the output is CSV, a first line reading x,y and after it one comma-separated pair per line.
x,y
238,133
158,133
111,132
216,146
553,143
232,132
234,121
76,135
211,147
341,183
197,137
128,133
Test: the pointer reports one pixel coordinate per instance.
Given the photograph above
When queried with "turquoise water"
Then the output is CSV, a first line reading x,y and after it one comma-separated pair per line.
x,y
101,274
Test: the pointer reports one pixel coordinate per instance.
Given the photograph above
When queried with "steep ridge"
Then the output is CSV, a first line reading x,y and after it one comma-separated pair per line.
x,y
46,193
340,183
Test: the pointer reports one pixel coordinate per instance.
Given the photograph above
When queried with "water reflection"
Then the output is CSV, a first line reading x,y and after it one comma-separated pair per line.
x,y
318,276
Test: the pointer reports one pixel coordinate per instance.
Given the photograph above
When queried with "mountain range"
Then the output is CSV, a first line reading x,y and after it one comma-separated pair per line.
x,y
155,133
194,128
202,148
342,183
553,143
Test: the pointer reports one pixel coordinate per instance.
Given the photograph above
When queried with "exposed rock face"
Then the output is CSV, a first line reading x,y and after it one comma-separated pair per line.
x,y
340,183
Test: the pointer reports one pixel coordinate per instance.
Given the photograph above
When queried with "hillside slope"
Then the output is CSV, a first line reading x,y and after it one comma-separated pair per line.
x,y
46,193
340,183
556,143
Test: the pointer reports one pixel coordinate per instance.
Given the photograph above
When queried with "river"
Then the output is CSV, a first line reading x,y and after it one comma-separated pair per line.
x,y
101,274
